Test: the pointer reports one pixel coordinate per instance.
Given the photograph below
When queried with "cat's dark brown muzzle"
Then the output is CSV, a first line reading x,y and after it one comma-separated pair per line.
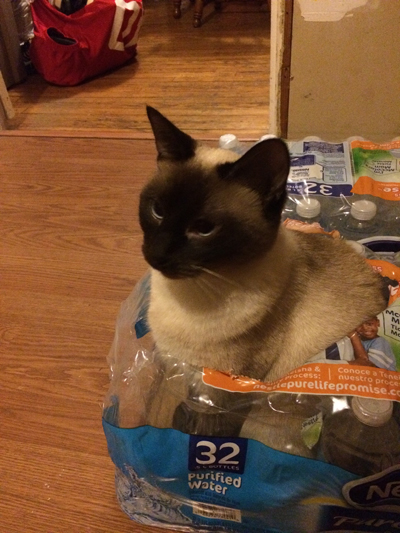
x,y
168,268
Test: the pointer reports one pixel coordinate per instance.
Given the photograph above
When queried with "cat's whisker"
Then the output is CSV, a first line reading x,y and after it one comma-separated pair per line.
x,y
211,282
206,289
219,276
215,288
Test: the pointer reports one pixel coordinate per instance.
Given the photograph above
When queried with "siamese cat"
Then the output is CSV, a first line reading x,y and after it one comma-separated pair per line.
x,y
231,288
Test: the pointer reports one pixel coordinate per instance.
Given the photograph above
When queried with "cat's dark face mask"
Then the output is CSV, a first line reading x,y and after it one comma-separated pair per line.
x,y
195,217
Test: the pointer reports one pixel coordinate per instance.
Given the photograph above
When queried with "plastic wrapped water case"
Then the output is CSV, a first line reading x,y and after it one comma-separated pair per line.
x,y
315,451
356,182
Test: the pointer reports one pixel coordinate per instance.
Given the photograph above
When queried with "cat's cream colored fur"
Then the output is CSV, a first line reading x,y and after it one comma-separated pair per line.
x,y
268,316
204,320
262,317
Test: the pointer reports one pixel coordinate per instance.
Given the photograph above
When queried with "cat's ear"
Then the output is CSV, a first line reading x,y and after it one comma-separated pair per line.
x,y
264,168
171,142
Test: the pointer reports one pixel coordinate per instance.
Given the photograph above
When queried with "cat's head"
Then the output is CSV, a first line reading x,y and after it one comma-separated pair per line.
x,y
207,207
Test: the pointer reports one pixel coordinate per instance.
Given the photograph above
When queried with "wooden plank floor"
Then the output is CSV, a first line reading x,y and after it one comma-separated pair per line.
x,y
211,80
70,253
71,169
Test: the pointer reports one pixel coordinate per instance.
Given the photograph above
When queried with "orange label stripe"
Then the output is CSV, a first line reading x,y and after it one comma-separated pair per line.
x,y
317,378
386,269
367,185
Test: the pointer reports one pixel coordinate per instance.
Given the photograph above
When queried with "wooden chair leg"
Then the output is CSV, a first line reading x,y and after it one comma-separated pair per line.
x,y
177,9
198,13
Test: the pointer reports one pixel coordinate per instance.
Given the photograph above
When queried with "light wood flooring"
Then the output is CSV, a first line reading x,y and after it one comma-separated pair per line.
x,y
70,254
71,170
210,80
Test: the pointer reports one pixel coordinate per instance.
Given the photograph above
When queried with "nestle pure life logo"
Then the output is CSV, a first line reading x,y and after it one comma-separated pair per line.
x,y
380,491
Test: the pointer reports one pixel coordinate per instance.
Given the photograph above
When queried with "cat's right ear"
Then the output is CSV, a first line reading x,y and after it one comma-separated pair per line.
x,y
172,143
264,168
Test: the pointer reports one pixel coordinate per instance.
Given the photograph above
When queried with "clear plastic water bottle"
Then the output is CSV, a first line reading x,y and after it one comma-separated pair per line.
x,y
308,210
364,251
363,218
353,438
305,209
266,137
229,141
276,420
391,213
360,222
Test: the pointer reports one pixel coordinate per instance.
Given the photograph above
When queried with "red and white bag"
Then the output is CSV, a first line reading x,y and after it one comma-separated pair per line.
x,y
68,49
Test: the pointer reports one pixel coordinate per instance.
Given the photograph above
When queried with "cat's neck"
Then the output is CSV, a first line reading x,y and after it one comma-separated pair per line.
x,y
273,265
198,319
267,275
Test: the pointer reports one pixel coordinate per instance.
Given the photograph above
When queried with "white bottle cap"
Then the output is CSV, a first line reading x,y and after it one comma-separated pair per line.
x,y
312,138
372,412
229,141
308,207
363,210
357,246
267,136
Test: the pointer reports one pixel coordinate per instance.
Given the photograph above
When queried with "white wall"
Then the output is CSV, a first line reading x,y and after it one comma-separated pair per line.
x,y
345,69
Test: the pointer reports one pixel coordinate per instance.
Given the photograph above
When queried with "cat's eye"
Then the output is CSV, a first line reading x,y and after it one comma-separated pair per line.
x,y
202,228
157,210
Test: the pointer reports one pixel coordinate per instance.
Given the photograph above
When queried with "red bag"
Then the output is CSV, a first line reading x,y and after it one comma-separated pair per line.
x,y
67,49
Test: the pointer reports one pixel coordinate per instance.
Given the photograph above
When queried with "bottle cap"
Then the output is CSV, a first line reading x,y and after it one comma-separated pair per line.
x,y
372,412
229,141
267,136
357,247
312,138
363,210
308,207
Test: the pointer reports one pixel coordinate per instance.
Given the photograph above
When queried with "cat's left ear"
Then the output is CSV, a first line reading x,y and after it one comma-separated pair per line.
x,y
171,142
264,168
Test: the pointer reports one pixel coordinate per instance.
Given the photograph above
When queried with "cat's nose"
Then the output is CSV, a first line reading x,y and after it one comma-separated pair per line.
x,y
158,261
169,268
160,264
